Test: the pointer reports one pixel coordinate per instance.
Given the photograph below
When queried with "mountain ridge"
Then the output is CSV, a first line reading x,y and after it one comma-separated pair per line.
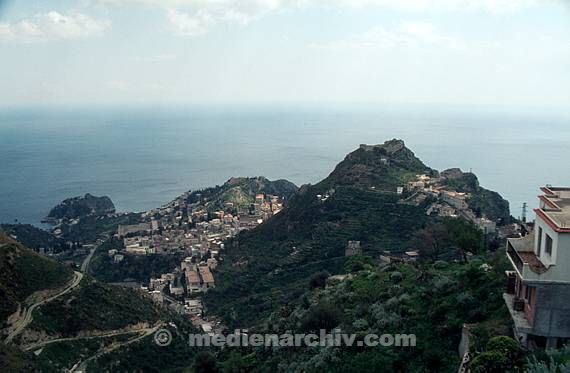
x,y
358,201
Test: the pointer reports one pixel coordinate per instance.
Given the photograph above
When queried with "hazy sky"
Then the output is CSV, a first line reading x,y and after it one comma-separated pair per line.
x,y
513,53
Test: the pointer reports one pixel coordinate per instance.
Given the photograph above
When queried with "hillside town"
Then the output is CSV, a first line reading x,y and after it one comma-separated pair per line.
x,y
447,202
198,232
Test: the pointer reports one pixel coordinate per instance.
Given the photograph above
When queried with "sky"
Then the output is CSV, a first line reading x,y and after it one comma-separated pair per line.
x,y
483,53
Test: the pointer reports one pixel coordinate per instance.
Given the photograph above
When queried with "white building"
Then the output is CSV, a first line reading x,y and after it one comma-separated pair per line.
x,y
538,292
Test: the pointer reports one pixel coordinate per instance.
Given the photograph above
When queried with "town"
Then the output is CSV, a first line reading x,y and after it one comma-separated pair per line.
x,y
190,226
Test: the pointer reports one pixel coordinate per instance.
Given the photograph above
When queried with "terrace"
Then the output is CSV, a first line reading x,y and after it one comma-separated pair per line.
x,y
520,252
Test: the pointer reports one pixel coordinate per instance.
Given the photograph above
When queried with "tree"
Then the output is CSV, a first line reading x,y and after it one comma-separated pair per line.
x,y
205,362
431,240
319,280
502,354
465,235
322,316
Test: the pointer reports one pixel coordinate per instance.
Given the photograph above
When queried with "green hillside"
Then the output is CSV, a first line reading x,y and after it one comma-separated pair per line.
x,y
431,301
271,264
22,272
241,191
87,310
94,306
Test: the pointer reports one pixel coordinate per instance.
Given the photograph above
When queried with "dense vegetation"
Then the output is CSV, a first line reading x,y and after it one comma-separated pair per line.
x,y
14,360
22,272
432,301
34,238
94,306
280,261
271,264
272,277
77,207
91,307
146,356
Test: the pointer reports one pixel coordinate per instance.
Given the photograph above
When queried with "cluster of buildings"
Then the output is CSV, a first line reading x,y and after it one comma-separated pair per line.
x,y
194,229
197,231
448,202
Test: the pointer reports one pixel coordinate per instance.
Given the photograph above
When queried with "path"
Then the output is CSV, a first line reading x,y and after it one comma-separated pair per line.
x,y
85,264
82,365
25,318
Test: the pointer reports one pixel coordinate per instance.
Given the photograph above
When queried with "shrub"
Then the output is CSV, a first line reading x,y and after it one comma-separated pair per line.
x,y
205,362
440,264
360,324
322,316
319,280
489,362
504,344
396,277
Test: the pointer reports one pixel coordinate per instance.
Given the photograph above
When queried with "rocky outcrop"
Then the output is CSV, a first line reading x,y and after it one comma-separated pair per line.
x,y
78,207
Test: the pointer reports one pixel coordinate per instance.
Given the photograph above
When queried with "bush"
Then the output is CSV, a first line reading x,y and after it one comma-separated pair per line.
x,y
440,264
205,362
360,324
504,344
318,280
489,362
396,277
322,316
358,263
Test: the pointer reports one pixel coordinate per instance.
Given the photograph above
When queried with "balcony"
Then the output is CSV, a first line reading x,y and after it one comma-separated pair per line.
x,y
515,258
520,252
517,313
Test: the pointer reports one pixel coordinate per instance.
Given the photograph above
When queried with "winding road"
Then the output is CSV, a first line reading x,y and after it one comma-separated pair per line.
x,y
25,318
82,365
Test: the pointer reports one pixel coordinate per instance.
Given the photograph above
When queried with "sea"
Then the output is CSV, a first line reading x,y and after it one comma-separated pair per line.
x,y
143,157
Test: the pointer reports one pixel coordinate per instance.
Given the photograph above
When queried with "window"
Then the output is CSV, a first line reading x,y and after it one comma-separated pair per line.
x,y
528,294
548,245
539,245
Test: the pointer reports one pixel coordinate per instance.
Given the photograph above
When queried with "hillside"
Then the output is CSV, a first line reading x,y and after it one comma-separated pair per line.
x,y
271,265
272,276
33,237
23,272
240,192
71,315
482,201
432,301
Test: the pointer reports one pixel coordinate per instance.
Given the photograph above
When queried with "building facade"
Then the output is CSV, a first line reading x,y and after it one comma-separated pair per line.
x,y
538,291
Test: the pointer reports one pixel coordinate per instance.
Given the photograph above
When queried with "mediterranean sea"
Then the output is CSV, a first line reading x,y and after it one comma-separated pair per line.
x,y
143,157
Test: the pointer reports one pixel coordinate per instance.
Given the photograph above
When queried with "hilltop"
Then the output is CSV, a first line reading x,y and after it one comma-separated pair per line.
x,y
358,201
240,192
77,207
317,265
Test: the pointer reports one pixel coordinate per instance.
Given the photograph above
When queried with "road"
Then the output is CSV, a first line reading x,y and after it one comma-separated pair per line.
x,y
114,333
81,366
85,264
25,318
